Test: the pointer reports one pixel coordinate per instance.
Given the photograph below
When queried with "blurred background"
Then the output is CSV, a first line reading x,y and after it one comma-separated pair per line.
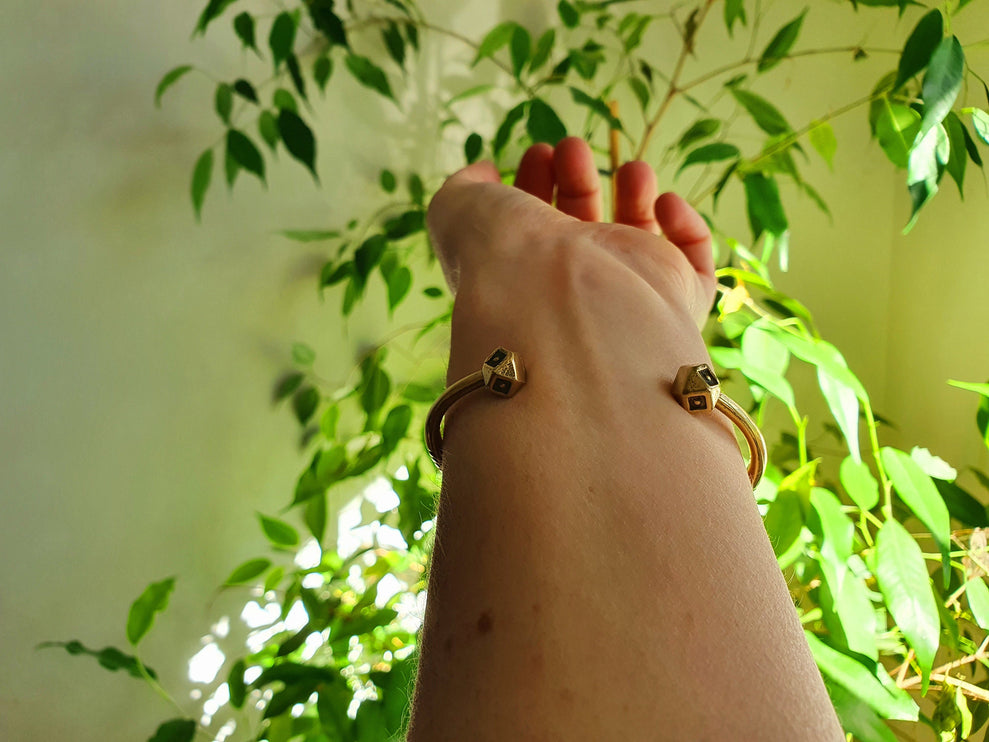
x,y
138,348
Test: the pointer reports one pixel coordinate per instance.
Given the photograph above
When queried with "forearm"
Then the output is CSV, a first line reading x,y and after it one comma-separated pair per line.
x,y
601,570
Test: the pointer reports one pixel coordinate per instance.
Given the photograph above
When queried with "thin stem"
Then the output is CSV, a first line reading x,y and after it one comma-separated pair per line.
x,y
687,48
156,686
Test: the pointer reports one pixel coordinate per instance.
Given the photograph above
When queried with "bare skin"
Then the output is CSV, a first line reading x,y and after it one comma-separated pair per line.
x,y
601,571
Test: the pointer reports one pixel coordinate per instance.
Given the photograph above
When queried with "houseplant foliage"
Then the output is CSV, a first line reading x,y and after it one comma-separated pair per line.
x,y
884,553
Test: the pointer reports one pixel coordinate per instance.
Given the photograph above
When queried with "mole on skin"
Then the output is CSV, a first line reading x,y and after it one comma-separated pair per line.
x,y
484,623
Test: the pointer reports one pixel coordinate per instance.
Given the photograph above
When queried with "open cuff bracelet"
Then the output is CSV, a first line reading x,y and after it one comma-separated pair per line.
x,y
695,387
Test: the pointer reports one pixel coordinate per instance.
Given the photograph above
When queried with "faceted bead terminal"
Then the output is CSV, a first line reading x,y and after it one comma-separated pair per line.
x,y
697,388
503,372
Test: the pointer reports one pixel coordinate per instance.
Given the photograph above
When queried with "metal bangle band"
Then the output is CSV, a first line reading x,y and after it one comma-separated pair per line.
x,y
502,374
698,390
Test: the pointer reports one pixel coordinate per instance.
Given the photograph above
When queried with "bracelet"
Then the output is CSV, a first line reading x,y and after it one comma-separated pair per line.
x,y
503,374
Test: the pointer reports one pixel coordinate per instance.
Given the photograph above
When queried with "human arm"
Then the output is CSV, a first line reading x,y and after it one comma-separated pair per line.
x,y
600,568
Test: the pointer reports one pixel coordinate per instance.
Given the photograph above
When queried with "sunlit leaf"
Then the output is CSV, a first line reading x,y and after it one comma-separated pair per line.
x,y
918,492
142,613
248,571
942,83
933,466
855,678
278,532
857,717
844,406
978,601
861,486
823,140
906,587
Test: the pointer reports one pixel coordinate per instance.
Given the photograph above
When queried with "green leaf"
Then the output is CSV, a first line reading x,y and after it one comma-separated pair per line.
x,y
244,28
303,354
176,730
170,78
855,678
781,44
212,11
896,129
395,426
284,99
906,588
764,361
321,70
521,49
328,22
848,613
433,292
394,43
958,157
598,106
765,208
368,74
844,406
368,255
641,90
268,129
962,506
568,14
836,530
544,47
249,570
861,486
824,355
304,404
375,388
287,385
978,600
314,516
472,147
969,386
933,466
942,83
920,46
236,685
281,40
142,613
387,181
823,140
298,138
857,717
245,90
231,168
784,521
504,132
766,116
242,151
734,11
417,191
202,174
310,235
331,464
109,658
918,492
328,422
494,40
543,125
715,152
278,532
292,62
224,101
399,283
980,122
699,130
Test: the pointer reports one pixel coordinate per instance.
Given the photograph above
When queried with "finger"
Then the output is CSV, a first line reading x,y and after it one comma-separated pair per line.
x,y
578,189
535,174
688,231
635,196
454,196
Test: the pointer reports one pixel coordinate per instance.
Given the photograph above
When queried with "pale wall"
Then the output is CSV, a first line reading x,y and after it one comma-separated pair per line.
x,y
137,348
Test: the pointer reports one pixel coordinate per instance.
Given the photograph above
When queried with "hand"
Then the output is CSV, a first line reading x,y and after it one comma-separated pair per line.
x,y
513,260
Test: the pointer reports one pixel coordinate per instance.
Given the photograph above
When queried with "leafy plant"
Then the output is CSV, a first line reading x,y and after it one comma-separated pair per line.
x,y
884,553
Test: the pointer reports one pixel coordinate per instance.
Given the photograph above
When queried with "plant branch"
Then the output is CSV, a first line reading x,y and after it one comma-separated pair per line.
x,y
940,673
689,34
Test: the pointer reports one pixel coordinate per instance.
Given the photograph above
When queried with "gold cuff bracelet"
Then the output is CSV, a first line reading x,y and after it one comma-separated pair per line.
x,y
696,388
